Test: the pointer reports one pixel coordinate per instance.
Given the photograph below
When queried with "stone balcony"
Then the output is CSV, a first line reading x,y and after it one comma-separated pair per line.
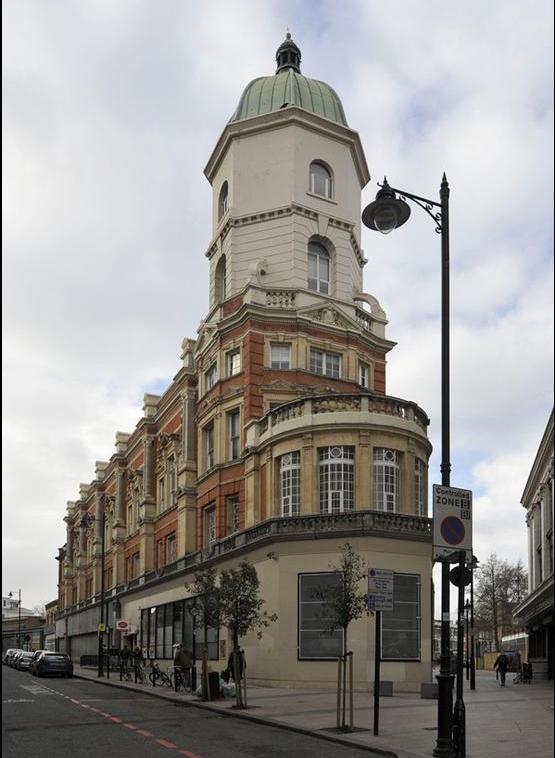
x,y
337,408
356,523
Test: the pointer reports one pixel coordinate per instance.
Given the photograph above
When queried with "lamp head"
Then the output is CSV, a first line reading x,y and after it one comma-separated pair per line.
x,y
387,212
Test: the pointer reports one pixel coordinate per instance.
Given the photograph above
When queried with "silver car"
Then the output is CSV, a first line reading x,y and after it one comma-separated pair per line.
x,y
23,660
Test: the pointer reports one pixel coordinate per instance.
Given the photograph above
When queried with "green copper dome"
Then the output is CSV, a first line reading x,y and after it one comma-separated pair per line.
x,y
289,87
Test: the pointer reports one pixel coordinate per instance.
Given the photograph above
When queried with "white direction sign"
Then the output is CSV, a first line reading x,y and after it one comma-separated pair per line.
x,y
380,589
452,522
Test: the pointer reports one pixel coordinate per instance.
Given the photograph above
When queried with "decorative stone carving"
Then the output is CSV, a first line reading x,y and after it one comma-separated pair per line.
x,y
335,404
329,315
280,298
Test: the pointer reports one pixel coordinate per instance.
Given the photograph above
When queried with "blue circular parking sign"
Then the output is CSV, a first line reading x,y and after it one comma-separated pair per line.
x,y
452,530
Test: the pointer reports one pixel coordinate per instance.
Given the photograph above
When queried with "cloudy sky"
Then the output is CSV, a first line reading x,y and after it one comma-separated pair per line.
x,y
110,111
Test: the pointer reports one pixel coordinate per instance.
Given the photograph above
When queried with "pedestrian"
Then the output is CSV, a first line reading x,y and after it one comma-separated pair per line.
x,y
240,664
501,664
183,660
138,657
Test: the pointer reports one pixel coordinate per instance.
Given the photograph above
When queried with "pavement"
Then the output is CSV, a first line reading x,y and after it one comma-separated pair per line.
x,y
509,722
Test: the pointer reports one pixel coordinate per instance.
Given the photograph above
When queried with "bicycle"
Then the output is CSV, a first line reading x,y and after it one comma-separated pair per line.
x,y
140,674
157,675
178,679
125,673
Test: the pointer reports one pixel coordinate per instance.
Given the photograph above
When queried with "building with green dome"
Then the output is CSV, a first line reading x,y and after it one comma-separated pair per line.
x,y
276,441
287,87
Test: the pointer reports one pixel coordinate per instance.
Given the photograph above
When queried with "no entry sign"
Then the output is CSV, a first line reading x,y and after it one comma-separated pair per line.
x,y
452,522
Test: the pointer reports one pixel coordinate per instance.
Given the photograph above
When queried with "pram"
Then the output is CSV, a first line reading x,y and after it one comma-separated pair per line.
x,y
524,676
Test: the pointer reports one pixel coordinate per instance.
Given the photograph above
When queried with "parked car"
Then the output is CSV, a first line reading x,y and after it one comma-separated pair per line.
x,y
6,653
23,660
49,662
10,655
33,661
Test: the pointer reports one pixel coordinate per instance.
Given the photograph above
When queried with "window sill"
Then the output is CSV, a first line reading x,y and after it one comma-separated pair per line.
x,y
322,197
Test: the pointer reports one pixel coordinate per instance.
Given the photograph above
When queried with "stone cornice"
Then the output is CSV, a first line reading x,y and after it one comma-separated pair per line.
x,y
363,523
537,602
543,456
264,313
233,222
283,118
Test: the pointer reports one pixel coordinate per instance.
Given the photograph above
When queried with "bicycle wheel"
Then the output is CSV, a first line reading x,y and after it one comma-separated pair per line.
x,y
165,679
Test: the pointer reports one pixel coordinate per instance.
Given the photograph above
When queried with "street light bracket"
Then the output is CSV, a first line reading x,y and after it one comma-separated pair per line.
x,y
424,203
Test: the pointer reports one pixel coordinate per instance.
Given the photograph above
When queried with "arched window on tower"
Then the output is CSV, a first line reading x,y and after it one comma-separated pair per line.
x,y
321,180
318,268
222,201
220,280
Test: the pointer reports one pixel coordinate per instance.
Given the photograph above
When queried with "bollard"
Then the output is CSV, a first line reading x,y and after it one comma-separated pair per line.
x,y
338,692
351,709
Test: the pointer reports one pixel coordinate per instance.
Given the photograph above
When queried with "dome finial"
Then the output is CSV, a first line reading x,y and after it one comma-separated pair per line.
x,y
288,55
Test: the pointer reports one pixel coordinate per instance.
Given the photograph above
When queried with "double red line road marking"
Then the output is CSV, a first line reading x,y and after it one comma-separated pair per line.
x,y
143,732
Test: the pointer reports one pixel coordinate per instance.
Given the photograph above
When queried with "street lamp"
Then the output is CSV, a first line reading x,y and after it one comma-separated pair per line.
x,y
10,594
194,610
466,615
385,214
473,566
87,521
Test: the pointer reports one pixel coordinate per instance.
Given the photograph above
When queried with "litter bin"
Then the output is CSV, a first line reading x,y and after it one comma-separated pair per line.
x,y
214,684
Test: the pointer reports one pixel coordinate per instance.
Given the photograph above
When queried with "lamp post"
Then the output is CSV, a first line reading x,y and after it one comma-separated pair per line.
x,y
467,662
10,594
194,611
473,566
88,519
385,214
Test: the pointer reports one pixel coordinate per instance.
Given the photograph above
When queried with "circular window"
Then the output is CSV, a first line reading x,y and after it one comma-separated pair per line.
x,y
286,459
336,452
390,455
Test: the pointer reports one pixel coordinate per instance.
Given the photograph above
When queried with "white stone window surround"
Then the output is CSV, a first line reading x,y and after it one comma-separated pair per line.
x,y
420,487
321,182
232,513
280,355
209,513
336,469
363,374
318,268
211,376
386,479
324,362
171,548
234,433
233,362
290,483
209,440
223,200
220,280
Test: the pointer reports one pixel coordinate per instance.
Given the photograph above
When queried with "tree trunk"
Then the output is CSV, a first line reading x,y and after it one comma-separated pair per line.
x,y
236,672
344,682
494,610
205,687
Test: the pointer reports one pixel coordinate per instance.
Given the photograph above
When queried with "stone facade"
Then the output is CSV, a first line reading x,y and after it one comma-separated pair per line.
x,y
276,439
536,611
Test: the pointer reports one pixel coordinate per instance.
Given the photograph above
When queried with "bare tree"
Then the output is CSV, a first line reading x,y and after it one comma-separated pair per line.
x,y
345,602
499,587
241,612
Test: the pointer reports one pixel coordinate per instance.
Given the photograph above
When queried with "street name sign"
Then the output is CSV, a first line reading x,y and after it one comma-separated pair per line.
x,y
380,589
452,523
